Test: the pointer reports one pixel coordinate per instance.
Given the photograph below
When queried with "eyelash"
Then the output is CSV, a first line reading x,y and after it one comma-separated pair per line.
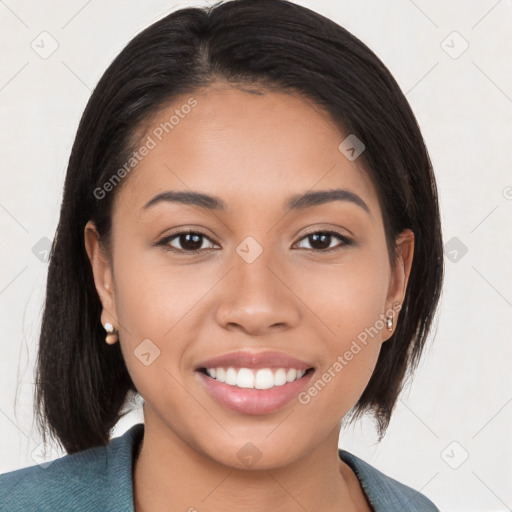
x,y
166,240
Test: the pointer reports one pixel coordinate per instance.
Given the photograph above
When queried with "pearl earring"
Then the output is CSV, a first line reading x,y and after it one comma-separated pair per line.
x,y
111,337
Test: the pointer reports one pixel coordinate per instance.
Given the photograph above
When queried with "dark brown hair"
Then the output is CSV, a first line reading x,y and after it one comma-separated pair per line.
x,y
81,382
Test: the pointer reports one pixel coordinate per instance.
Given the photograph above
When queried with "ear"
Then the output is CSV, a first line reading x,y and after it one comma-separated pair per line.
x,y
102,272
400,275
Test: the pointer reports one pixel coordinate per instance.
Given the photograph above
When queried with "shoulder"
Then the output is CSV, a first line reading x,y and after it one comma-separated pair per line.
x,y
86,480
386,493
64,483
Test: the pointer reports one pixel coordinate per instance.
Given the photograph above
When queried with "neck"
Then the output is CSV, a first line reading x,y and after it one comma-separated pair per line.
x,y
170,475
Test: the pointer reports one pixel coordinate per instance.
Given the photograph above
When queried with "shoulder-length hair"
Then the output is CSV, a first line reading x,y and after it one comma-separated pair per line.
x,y
81,382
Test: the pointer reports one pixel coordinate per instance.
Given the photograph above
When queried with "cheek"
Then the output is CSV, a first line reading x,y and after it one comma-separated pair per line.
x,y
347,299
350,350
152,296
159,309
348,306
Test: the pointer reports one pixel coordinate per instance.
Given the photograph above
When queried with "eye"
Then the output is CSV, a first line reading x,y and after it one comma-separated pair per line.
x,y
192,242
188,240
320,241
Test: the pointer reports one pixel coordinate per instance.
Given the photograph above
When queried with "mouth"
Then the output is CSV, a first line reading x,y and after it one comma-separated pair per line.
x,y
251,378
254,383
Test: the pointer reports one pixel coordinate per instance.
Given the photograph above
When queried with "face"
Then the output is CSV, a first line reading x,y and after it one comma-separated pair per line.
x,y
295,284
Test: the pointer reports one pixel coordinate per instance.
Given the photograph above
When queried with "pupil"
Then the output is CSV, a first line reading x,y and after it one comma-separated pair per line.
x,y
323,237
190,245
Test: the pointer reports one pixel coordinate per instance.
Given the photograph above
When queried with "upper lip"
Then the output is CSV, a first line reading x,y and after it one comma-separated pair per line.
x,y
245,359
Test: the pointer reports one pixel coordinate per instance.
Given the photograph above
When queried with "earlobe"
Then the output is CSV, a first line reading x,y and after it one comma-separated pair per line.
x,y
101,270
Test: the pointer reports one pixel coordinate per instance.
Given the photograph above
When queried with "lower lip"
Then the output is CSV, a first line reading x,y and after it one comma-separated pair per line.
x,y
254,401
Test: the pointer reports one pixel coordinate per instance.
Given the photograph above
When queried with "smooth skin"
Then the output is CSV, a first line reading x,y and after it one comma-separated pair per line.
x,y
253,151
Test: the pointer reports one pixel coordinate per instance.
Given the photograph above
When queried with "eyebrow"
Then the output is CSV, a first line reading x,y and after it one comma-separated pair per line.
x,y
296,202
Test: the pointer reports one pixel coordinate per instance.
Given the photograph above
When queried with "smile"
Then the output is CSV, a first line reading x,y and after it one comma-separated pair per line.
x,y
250,378
250,400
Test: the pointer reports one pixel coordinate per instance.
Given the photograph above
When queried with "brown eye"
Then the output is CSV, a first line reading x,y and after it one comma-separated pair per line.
x,y
193,241
185,241
190,241
321,241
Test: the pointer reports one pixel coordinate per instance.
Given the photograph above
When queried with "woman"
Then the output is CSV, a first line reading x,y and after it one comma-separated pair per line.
x,y
250,239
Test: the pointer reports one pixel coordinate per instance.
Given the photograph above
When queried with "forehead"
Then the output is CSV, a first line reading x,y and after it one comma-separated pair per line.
x,y
248,148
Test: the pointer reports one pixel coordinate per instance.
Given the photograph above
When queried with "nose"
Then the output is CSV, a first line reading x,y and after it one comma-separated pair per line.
x,y
257,297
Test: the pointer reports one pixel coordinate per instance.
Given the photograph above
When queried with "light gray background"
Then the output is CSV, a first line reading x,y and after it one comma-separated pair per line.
x,y
460,403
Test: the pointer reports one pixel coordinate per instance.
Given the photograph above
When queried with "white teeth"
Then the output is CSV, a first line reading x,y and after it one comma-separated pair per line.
x,y
291,375
280,377
244,379
264,378
231,377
